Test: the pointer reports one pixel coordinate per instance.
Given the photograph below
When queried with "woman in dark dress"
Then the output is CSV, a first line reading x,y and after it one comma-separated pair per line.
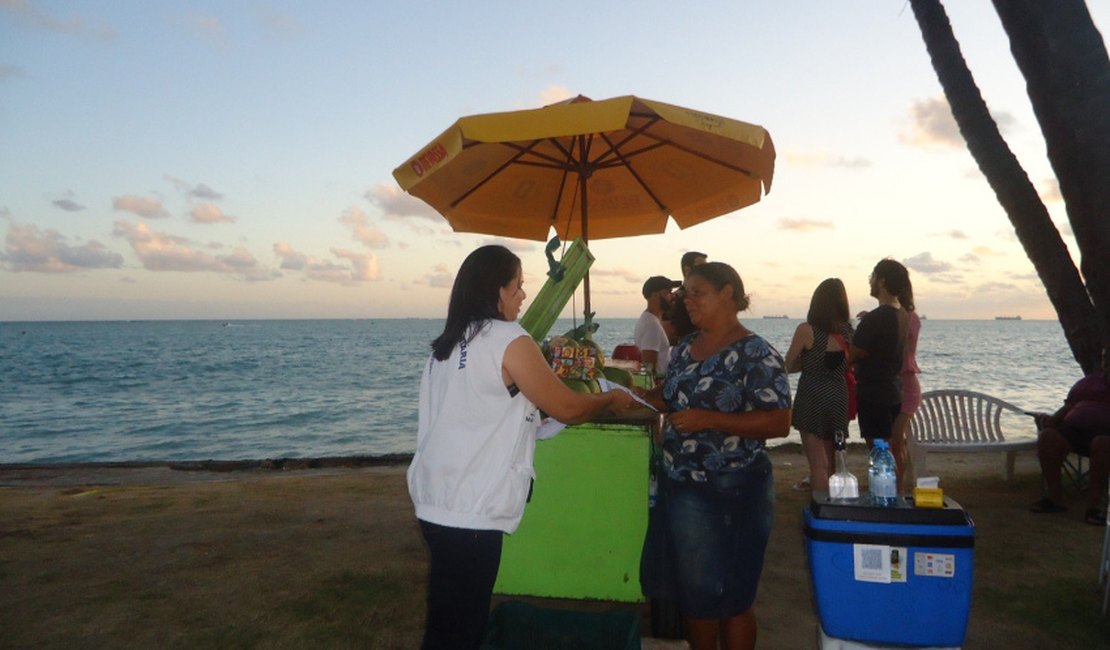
x,y
819,351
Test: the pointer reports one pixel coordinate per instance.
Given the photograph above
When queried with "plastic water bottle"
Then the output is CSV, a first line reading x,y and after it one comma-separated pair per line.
x,y
882,479
842,484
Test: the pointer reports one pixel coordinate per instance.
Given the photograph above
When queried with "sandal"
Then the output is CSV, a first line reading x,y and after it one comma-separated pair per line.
x,y
1095,517
1046,505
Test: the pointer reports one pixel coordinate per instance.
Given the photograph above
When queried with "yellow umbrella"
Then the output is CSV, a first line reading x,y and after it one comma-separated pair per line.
x,y
591,169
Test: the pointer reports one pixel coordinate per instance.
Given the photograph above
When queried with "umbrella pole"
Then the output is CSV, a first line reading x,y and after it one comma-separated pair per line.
x,y
582,178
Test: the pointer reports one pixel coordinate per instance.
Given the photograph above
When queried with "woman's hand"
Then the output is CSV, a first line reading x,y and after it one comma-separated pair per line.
x,y
690,421
653,396
757,424
621,401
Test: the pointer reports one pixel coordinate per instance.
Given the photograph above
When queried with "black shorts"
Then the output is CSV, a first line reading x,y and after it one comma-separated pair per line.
x,y
876,419
1079,439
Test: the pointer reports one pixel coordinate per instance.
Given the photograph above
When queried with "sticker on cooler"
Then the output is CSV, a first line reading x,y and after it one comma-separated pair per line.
x,y
879,563
939,565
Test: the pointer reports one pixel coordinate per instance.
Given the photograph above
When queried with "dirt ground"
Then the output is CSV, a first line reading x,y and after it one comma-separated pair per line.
x,y
143,557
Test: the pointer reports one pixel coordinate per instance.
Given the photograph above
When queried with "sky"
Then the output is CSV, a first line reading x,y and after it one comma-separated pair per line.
x,y
233,160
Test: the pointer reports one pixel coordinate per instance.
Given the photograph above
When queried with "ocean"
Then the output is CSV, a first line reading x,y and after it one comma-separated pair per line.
x,y
119,391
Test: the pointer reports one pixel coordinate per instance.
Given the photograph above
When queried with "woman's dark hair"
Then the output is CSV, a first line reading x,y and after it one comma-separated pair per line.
x,y
897,281
828,309
721,275
688,258
475,296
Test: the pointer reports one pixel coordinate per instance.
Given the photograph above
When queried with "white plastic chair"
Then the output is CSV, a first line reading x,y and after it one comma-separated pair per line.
x,y
962,421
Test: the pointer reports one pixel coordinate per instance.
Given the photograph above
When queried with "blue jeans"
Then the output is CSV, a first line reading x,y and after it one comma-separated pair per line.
x,y
719,531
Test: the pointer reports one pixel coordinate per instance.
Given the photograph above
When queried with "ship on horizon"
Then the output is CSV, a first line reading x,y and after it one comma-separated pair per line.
x,y
1007,317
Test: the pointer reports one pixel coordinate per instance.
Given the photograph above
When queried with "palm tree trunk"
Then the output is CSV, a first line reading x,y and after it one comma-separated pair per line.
x,y
1032,223
1067,72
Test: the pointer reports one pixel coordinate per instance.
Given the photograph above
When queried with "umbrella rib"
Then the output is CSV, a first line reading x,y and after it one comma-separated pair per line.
x,y
545,160
701,155
477,186
622,158
631,170
614,148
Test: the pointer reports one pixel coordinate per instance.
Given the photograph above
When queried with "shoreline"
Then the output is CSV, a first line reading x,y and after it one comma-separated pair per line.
x,y
274,464
214,465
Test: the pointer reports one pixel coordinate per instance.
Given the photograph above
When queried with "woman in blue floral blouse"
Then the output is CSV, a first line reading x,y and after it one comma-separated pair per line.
x,y
727,392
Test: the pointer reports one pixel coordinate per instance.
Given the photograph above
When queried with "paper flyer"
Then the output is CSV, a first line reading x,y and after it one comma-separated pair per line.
x,y
550,427
608,385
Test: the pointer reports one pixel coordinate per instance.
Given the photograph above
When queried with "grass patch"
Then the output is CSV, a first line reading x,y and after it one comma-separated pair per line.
x,y
375,490
353,610
224,636
153,506
1060,609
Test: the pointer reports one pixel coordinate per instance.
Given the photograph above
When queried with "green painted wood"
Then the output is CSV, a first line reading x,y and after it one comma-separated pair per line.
x,y
553,297
584,528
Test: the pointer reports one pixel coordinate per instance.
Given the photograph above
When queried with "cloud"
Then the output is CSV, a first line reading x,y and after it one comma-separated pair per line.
x,y
441,277
28,14
8,72
140,205
554,93
363,232
202,191
805,225
68,205
208,29
164,252
363,267
30,249
931,125
955,234
994,288
825,159
1049,190
198,191
280,24
356,268
396,204
291,260
209,213
627,275
924,263
515,245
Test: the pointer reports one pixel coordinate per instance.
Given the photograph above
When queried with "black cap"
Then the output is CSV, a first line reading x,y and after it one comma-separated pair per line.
x,y
657,282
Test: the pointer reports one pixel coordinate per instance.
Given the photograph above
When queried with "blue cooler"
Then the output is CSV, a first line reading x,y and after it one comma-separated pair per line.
x,y
899,575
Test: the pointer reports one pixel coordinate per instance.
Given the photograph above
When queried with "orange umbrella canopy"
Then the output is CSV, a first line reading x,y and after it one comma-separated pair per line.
x,y
592,169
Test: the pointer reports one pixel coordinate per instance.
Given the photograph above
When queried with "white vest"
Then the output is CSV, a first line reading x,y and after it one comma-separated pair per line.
x,y
475,442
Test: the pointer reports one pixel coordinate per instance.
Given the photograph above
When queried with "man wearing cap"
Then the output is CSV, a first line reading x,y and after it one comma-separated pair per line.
x,y
649,336
677,321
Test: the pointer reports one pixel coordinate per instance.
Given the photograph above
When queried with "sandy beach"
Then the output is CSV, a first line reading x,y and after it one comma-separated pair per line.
x,y
142,556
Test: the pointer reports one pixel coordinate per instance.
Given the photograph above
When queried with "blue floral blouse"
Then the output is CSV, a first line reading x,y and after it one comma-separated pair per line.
x,y
745,376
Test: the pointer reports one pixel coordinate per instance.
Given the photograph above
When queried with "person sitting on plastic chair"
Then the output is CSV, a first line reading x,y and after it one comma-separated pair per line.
x,y
1082,426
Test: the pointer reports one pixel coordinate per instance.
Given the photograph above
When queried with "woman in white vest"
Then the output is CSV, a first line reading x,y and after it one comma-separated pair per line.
x,y
470,475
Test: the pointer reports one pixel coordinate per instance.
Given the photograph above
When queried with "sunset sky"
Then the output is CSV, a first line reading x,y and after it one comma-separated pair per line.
x,y
233,160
